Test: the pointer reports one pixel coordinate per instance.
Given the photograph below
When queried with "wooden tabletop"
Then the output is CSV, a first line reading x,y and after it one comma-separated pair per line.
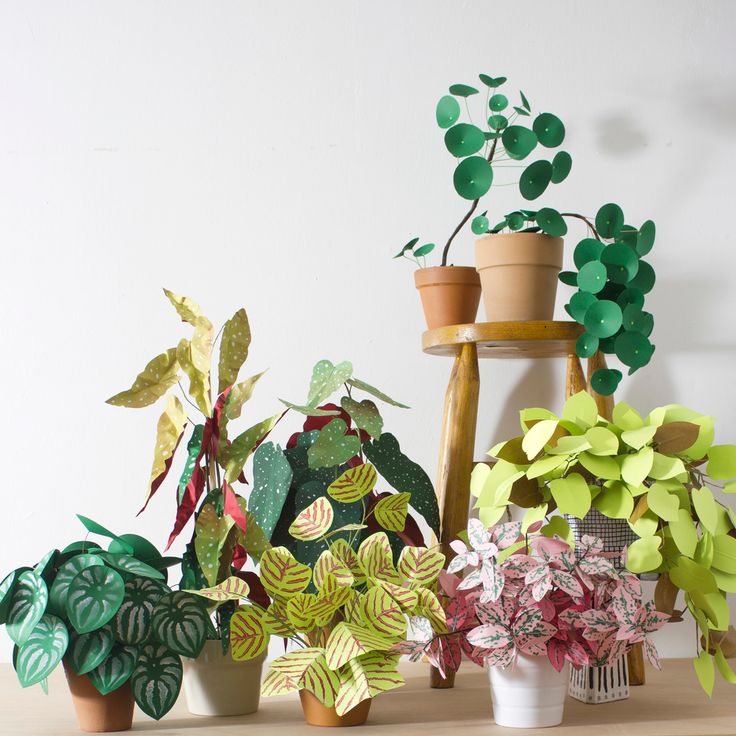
x,y
506,339
670,704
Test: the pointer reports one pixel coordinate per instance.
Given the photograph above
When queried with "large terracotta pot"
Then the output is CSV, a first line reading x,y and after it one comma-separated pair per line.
x,y
450,294
216,685
317,714
97,713
518,273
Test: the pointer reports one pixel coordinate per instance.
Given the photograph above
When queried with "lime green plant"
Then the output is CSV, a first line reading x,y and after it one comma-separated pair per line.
x,y
657,472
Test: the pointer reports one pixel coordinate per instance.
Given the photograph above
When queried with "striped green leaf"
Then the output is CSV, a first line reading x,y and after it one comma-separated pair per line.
x,y
314,521
180,621
354,688
381,670
419,566
45,567
348,641
383,614
248,638
407,598
299,611
328,564
132,622
115,670
64,576
90,650
430,608
322,682
94,597
390,512
42,650
376,560
286,672
7,587
346,555
282,575
232,589
353,484
131,565
156,680
30,596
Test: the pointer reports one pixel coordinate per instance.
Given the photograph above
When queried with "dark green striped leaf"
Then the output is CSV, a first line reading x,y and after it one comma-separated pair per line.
x,y
115,670
132,622
156,680
94,598
180,622
28,605
66,573
7,587
90,650
42,651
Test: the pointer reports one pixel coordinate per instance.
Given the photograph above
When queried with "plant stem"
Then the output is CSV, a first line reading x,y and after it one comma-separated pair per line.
x,y
584,219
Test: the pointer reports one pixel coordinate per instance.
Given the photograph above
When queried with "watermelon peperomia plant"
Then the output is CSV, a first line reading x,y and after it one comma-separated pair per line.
x,y
224,533
109,614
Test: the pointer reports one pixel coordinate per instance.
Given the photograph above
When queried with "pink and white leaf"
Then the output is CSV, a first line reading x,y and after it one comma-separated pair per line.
x,y
504,535
490,636
567,583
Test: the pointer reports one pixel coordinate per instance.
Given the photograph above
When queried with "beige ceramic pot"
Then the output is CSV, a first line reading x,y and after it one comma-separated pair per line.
x,y
518,273
450,294
216,685
317,714
97,713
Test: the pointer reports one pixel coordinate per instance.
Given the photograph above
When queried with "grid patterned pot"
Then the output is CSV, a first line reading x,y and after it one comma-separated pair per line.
x,y
596,685
615,533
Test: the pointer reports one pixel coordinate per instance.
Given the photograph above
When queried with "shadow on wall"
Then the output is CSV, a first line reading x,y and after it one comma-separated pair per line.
x,y
620,135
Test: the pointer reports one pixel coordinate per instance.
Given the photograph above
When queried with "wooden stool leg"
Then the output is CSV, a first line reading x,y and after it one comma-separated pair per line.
x,y
457,446
575,378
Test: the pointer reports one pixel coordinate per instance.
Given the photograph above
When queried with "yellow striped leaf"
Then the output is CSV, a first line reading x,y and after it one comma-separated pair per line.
x,y
429,607
328,564
354,688
233,349
354,484
352,607
185,307
168,432
248,637
382,673
419,566
348,641
314,521
346,555
275,620
322,682
286,672
232,589
376,560
328,602
383,614
282,575
199,382
151,383
405,597
390,512
299,611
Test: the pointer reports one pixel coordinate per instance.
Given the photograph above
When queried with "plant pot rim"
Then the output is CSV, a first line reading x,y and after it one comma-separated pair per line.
x,y
438,275
214,655
538,235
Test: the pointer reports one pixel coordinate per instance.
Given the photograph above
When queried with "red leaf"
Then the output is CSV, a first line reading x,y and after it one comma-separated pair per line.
x,y
231,507
192,494
240,556
161,478
257,591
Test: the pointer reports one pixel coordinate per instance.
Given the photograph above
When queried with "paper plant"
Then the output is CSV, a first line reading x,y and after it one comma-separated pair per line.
x,y
657,472
224,530
109,613
340,452
528,593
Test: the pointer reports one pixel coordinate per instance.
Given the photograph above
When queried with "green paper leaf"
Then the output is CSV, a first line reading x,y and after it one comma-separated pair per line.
x,y
132,622
7,587
549,129
498,102
586,345
518,141
180,622
410,245
621,263
424,250
579,304
690,576
592,278
569,278
705,507
643,555
185,307
364,414
353,484
609,220
94,597
210,534
587,250
605,468
159,375
473,177
234,346
602,441
635,320
88,651
464,139
524,101
684,533
633,349
132,566
581,409
724,553
27,606
571,494
326,379
551,222
447,112
114,671
535,179
238,396
95,528
480,225
559,527
193,449
462,90
234,457
363,386
156,680
561,165
390,512
333,446
498,122
64,576
665,504
604,317
272,476
635,467
705,671
615,501
38,656
645,238
538,436
723,667
722,462
605,381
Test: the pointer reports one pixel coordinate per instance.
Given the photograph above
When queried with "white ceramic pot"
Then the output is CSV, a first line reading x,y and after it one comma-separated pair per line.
x,y
529,694
216,685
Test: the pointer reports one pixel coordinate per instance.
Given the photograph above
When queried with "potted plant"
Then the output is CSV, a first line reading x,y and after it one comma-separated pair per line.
x,y
224,533
529,606
652,474
112,621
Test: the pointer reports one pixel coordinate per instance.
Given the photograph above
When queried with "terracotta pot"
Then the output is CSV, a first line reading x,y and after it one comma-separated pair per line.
x,y
216,685
316,714
450,294
518,273
97,713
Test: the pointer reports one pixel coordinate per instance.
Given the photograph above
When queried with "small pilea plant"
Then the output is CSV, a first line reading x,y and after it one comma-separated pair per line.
x,y
109,613
531,594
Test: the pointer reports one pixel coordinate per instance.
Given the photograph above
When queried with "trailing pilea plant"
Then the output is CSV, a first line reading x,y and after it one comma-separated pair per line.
x,y
531,594
657,472
224,531
108,613
340,452
497,142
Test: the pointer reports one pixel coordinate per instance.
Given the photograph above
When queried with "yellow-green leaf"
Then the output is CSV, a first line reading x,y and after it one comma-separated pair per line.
x,y
231,589
151,383
169,430
376,560
285,673
581,409
703,664
241,392
643,555
248,637
233,349
602,441
722,462
282,575
538,436
419,566
390,512
234,456
199,382
615,500
665,504
689,576
706,508
571,494
638,438
724,553
353,484
314,521
635,468
210,534
684,532
724,668
186,308
626,418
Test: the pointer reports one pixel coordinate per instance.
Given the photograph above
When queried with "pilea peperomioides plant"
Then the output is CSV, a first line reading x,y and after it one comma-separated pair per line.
x,y
109,614
657,472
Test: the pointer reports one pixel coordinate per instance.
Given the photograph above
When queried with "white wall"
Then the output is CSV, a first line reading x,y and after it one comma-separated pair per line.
x,y
275,155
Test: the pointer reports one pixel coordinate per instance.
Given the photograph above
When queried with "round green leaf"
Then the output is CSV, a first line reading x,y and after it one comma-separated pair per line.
x,y
143,550
645,238
561,165
592,278
480,225
571,494
643,555
464,139
535,179
498,102
663,503
28,605
609,220
42,651
603,318
630,296
94,596
90,650
45,566
615,501
549,129
605,380
115,670
519,142
633,349
588,249
579,304
621,262
64,576
586,345
462,90
551,222
498,122
180,621
570,278
156,680
491,81
515,220
644,279
132,622
628,236
424,250
473,177
448,111
637,321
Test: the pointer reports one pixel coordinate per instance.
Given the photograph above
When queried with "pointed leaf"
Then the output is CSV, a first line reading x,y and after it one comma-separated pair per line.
x,y
365,414
240,394
353,484
210,534
286,672
180,622
38,656
156,680
27,607
272,477
233,349
326,379
363,386
248,638
115,670
333,446
88,651
199,381
185,307
159,375
234,457
94,597
231,589
132,622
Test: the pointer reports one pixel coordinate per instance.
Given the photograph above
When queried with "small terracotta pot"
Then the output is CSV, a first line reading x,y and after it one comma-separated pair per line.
x,y
450,294
97,713
518,273
317,714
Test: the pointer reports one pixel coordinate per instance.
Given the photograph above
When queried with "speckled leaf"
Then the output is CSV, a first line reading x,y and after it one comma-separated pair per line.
x,y
326,379
240,394
234,457
210,533
272,476
365,414
159,375
199,381
194,447
333,446
233,349
185,307
363,386
168,433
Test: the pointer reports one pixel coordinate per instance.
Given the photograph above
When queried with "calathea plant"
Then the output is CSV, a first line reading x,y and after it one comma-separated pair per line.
x,y
224,531
659,473
108,613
